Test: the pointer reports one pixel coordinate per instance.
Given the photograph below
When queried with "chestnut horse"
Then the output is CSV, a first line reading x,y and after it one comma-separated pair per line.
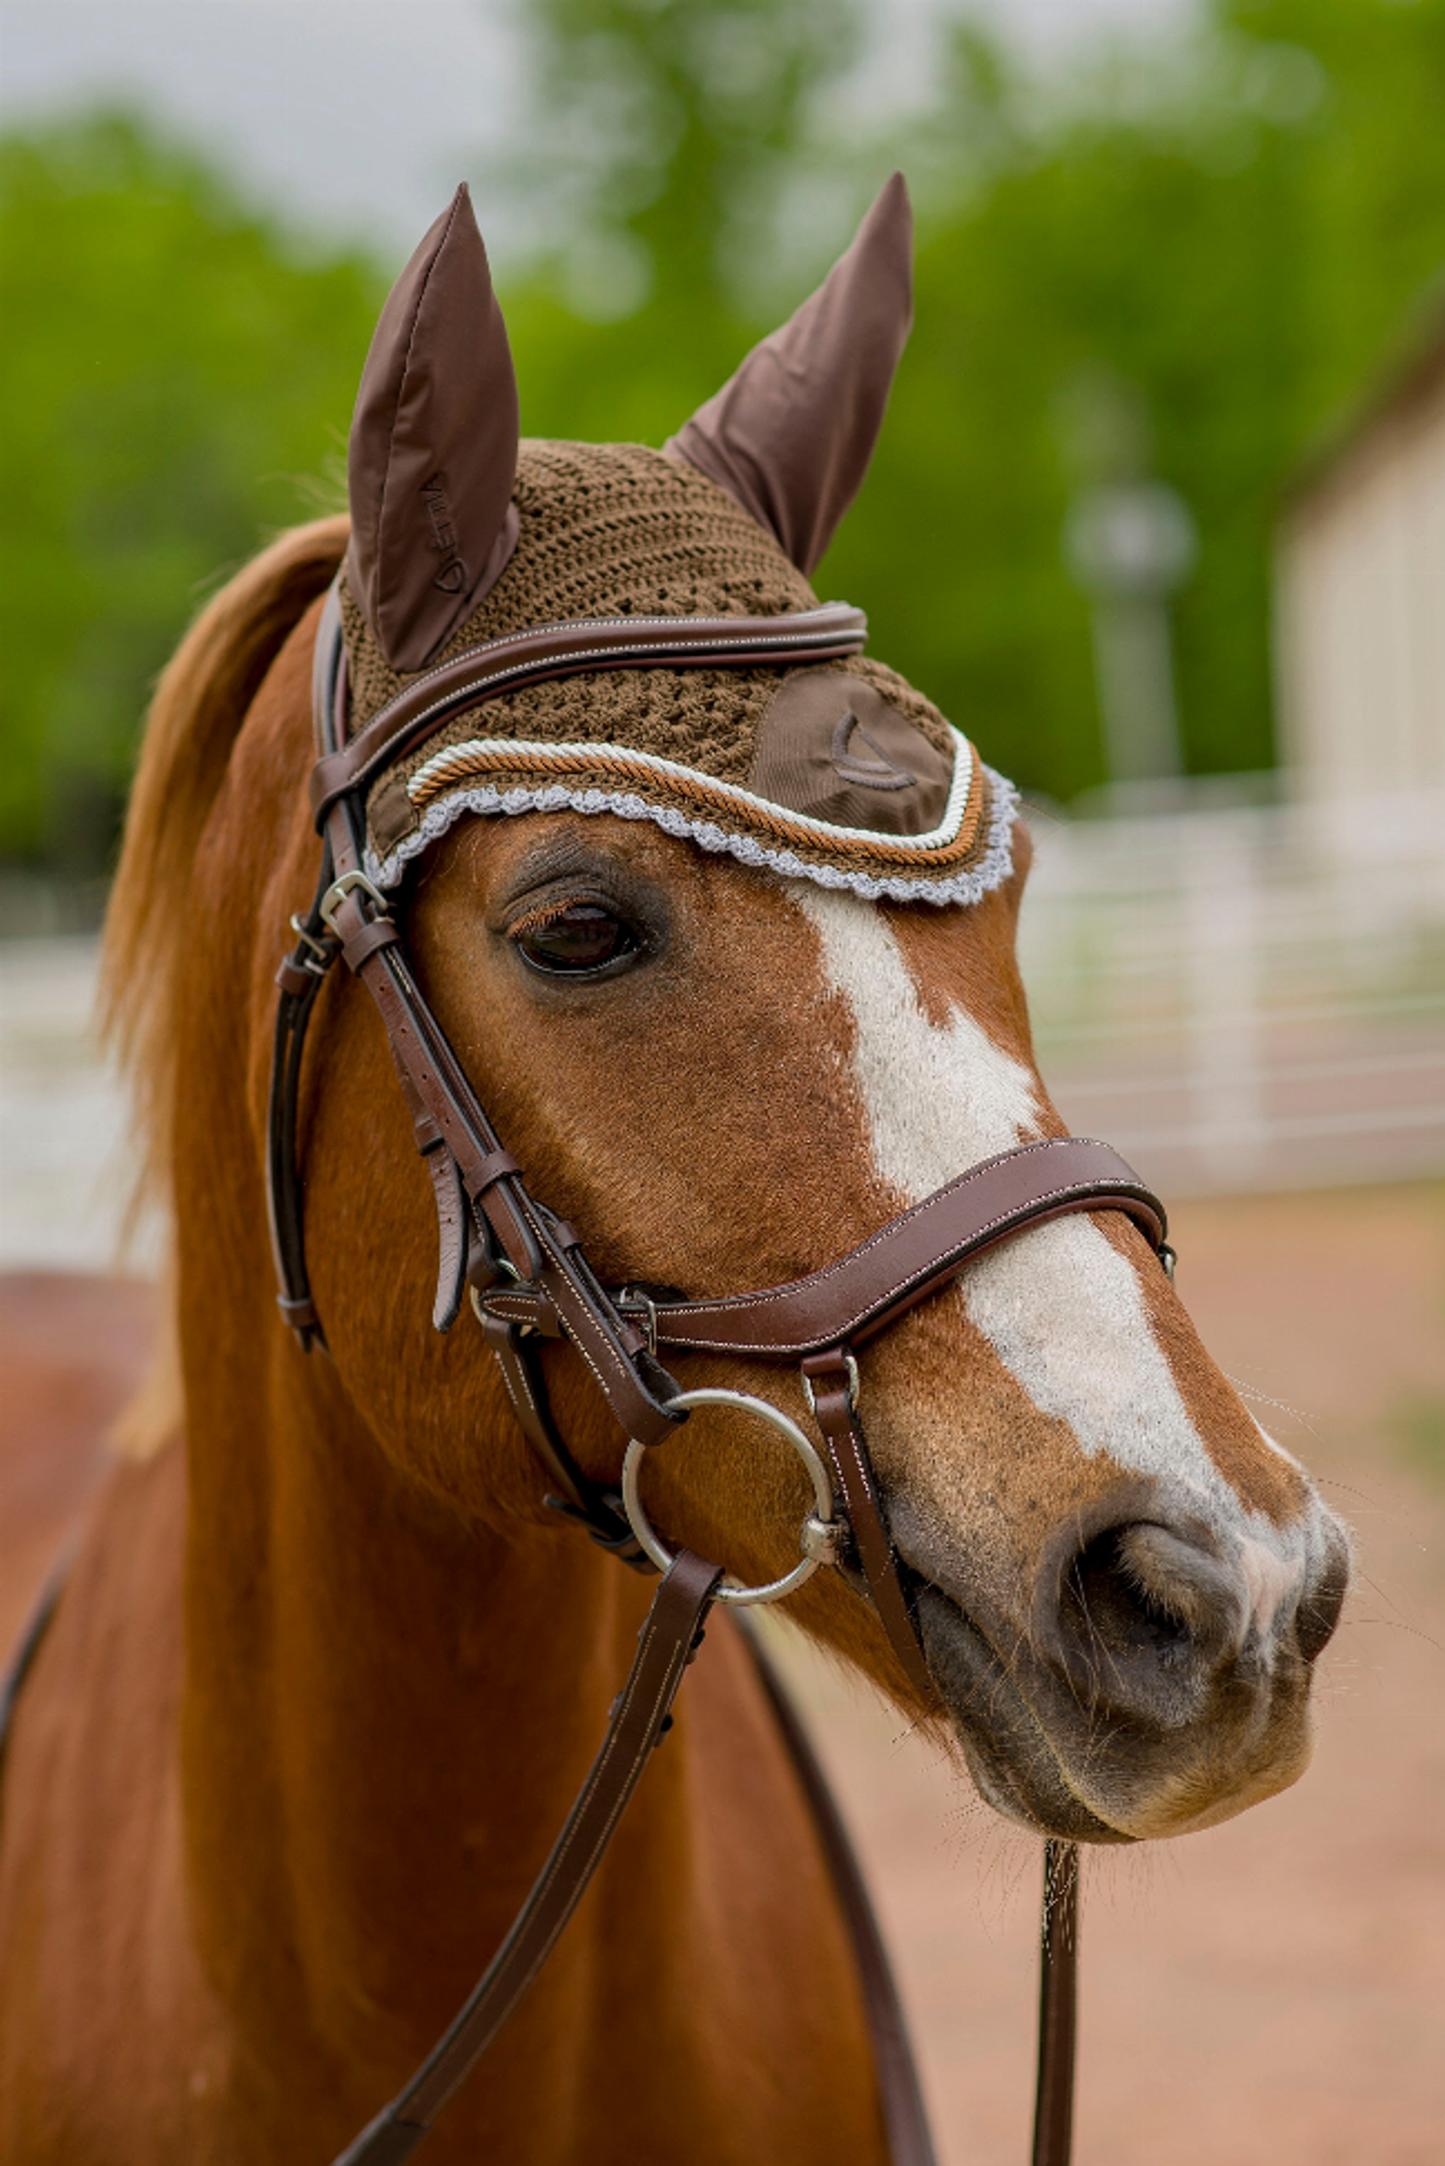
x,y
327,1673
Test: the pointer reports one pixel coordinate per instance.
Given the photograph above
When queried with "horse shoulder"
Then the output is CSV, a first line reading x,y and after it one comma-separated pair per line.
x,y
94,1954
756,1925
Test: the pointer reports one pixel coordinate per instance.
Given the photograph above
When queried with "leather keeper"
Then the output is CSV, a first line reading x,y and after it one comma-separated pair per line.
x,y
330,779
831,1378
493,1168
295,978
361,946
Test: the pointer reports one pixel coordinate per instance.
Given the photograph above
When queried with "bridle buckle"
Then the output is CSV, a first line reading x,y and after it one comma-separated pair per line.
x,y
342,886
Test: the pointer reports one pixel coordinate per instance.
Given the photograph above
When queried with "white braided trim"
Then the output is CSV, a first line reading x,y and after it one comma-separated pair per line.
x,y
464,762
990,872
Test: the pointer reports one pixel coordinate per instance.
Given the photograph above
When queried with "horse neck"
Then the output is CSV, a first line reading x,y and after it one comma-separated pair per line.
x,y
386,1713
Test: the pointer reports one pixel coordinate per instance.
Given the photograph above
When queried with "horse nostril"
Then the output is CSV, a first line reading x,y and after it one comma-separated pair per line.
x,y
1142,1618
1117,1602
1319,1611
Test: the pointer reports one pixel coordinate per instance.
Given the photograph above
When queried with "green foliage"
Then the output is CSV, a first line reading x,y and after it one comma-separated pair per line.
x,y
178,365
670,127
1229,231
667,128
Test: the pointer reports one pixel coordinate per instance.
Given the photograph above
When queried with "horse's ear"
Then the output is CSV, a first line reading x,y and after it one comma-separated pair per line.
x,y
433,455
791,434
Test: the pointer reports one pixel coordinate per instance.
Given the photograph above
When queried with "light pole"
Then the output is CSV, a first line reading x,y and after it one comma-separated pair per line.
x,y
1130,545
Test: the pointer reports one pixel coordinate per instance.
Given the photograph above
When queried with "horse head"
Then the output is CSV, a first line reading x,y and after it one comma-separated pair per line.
x,y
728,954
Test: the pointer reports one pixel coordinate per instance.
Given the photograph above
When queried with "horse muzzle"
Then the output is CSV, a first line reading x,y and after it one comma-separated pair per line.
x,y
1160,1682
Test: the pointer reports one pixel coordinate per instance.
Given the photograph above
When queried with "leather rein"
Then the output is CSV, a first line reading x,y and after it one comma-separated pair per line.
x,y
528,1279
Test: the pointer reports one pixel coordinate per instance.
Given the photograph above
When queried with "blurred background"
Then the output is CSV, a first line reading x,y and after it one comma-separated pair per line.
x,y
1158,518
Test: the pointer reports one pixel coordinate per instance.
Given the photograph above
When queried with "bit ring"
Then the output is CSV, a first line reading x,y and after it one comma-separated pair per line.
x,y
818,1538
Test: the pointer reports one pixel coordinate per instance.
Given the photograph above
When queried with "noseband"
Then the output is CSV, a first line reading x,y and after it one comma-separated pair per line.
x,y
528,1279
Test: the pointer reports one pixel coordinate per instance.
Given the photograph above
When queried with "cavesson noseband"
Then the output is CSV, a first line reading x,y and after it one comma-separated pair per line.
x,y
529,1279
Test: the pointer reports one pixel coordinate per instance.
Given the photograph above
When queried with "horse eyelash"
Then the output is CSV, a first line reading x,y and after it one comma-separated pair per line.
x,y
547,914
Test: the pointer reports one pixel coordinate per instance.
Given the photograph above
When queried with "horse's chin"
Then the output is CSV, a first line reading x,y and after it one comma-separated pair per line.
x,y
1025,1774
1003,1742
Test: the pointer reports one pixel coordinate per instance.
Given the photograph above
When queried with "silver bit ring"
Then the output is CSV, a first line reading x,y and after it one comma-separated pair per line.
x,y
820,1535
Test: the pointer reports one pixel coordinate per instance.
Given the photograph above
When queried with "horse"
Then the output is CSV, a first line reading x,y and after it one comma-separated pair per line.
x,y
329,1667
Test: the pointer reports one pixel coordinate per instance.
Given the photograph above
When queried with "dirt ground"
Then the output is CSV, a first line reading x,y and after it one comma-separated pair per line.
x,y
1271,1991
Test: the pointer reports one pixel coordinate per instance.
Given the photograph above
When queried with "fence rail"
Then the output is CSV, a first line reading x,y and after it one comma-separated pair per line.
x,y
1236,999
1248,997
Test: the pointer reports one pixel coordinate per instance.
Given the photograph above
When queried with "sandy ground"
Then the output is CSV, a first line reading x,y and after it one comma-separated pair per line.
x,y
1273,1990
1270,1991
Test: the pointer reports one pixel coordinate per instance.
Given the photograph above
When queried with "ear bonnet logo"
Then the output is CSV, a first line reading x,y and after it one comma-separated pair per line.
x,y
452,577
879,773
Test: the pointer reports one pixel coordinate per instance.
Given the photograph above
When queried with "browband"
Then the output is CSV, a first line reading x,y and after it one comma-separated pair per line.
x,y
562,650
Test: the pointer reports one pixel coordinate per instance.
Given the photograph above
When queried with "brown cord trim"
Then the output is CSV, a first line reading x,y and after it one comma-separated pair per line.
x,y
690,792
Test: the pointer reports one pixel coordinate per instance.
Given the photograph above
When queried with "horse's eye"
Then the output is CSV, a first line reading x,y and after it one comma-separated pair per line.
x,y
578,937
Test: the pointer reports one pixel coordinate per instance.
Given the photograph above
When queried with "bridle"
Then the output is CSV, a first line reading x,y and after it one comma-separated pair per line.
x,y
528,1279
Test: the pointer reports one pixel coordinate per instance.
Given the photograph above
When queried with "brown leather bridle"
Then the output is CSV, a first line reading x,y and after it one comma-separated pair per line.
x,y
529,1279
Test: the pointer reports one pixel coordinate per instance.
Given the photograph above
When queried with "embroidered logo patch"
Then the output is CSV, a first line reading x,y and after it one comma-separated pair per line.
x,y
833,747
452,577
879,773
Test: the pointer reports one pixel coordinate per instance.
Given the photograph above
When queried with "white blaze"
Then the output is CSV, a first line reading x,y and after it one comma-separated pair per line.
x,y
1061,1307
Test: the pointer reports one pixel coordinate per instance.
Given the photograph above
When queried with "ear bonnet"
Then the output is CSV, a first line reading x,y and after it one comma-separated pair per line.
x,y
471,551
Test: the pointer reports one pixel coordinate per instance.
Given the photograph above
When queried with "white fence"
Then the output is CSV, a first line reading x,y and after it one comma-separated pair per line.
x,y
1247,998
64,1156
1235,999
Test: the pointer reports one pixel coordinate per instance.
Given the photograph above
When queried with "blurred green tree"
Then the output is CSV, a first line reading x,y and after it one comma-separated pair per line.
x,y
1219,236
668,129
1226,228
174,361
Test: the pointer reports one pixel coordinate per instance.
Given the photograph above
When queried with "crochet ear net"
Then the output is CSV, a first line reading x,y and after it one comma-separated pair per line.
x,y
433,453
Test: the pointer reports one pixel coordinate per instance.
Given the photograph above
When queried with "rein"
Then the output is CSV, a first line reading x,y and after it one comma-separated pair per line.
x,y
528,1278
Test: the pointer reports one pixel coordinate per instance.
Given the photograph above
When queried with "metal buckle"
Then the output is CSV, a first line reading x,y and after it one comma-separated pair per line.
x,y
852,1368
319,961
341,887
820,1537
633,1297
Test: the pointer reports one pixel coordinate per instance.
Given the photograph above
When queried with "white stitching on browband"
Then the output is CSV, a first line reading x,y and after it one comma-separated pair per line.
x,y
812,619
815,630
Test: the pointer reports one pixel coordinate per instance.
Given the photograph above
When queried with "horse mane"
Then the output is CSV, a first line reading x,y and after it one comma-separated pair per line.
x,y
200,703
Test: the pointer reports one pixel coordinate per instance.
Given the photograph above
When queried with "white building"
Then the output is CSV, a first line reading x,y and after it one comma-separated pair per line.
x,y
1360,596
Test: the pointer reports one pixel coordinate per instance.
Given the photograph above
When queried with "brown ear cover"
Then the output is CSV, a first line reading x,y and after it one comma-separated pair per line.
x,y
790,435
433,455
